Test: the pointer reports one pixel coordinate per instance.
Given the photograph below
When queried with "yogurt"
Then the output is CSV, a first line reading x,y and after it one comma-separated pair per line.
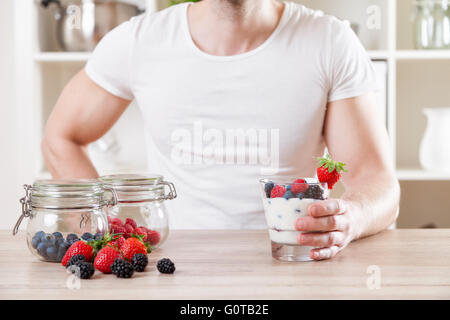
x,y
281,215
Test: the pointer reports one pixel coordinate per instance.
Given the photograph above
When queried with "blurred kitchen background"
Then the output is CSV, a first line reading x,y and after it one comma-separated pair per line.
x,y
408,40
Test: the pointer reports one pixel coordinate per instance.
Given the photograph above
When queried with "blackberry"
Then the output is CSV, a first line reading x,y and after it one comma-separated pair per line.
x,y
122,268
268,188
75,259
165,266
82,269
139,262
314,191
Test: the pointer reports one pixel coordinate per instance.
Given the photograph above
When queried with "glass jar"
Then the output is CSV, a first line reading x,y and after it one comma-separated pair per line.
x,y
61,212
140,208
432,24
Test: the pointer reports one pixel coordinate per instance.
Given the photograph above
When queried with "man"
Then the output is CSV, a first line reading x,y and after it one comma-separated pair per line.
x,y
295,77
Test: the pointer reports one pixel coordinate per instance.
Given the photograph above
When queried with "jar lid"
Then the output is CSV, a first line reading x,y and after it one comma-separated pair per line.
x,y
131,179
67,188
135,187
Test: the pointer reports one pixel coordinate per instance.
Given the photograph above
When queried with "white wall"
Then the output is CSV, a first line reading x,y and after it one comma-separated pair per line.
x,y
10,188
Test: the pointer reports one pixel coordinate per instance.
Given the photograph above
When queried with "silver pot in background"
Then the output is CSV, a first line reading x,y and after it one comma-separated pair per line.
x,y
82,23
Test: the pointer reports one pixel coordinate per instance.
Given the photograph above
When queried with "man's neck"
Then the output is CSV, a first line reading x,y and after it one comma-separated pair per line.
x,y
229,27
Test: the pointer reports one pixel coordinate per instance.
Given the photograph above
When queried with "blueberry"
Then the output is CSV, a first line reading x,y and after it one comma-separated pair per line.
x,y
299,195
289,188
71,242
40,234
35,241
51,253
71,236
289,194
87,236
42,249
98,236
49,239
268,188
57,235
59,242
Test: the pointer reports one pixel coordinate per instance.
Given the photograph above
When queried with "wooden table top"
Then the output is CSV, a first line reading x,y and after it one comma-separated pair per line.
x,y
411,264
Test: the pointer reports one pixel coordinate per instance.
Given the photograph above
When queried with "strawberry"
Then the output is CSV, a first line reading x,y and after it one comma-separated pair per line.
x,y
117,242
141,232
132,246
79,247
153,237
116,221
299,185
277,192
104,259
131,222
329,171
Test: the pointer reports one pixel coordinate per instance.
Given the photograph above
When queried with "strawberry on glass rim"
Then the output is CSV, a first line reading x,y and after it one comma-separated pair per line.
x,y
329,171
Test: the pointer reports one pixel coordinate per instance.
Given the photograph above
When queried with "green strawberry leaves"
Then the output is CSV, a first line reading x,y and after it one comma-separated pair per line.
x,y
330,164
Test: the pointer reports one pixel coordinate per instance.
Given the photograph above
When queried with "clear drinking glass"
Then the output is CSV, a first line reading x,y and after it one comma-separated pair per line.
x,y
283,211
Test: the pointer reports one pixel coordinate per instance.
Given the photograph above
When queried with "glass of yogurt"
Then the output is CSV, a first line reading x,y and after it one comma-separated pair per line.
x,y
285,200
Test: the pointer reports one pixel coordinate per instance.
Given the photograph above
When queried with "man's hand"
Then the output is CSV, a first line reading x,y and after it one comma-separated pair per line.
x,y
329,226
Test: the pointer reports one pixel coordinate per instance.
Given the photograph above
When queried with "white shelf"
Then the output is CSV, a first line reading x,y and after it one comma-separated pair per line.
x,y
418,174
422,54
62,56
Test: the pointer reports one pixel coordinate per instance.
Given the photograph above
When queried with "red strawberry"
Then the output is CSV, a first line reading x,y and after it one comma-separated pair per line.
x,y
153,237
131,247
104,259
117,221
299,185
116,229
79,247
141,232
329,171
118,242
131,222
277,192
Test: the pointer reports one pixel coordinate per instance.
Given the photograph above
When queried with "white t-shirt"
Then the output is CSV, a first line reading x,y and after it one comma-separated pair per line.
x,y
216,124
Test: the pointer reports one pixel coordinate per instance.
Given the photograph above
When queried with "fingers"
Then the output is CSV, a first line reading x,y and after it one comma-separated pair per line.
x,y
321,240
324,253
328,223
327,208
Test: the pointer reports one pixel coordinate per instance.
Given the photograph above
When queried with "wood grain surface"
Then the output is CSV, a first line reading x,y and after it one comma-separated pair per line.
x,y
411,264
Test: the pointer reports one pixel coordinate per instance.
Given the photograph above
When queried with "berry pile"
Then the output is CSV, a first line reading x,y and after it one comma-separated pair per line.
x,y
129,228
298,189
111,253
52,246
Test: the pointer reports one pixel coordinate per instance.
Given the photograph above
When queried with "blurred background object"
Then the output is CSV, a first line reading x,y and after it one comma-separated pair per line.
x,y
432,24
435,146
80,24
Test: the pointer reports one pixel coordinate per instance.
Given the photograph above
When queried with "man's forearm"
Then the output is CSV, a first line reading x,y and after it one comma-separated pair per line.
x,y
66,159
374,203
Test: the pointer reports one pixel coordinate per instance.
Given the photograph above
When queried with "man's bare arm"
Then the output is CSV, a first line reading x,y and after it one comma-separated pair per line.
x,y
354,134
83,113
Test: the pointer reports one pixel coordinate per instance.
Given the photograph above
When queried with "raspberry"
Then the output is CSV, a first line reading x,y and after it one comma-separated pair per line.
x,y
277,192
165,266
299,185
141,232
131,222
153,237
118,229
139,262
122,268
116,221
